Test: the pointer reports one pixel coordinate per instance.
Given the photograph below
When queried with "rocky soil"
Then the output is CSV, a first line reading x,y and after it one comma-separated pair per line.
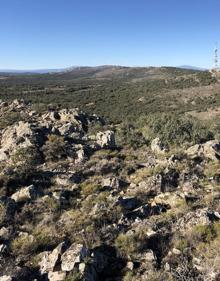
x,y
75,205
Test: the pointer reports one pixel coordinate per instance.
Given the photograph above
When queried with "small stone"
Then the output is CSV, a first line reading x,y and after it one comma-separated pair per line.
x,y
176,252
82,267
6,278
3,249
167,267
149,256
130,265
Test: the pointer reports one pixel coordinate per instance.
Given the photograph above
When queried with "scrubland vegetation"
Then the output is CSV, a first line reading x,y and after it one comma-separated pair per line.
x,y
130,195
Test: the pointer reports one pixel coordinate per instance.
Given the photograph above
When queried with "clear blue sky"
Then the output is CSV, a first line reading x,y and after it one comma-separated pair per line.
x,y
59,33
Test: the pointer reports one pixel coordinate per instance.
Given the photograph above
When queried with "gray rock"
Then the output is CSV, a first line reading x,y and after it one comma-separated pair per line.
x,y
111,182
7,209
6,278
106,139
50,259
56,276
16,136
81,154
157,146
67,129
71,257
4,233
191,219
3,249
209,150
25,193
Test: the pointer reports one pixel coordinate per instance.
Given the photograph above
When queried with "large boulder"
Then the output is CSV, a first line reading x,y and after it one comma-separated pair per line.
x,y
19,135
106,139
191,219
209,150
72,256
25,194
49,260
167,181
70,115
67,129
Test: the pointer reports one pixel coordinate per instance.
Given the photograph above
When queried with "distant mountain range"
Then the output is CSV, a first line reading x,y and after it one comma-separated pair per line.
x,y
192,67
60,70
37,71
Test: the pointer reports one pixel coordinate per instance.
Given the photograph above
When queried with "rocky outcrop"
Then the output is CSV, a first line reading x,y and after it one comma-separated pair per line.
x,y
89,210
191,219
209,150
50,260
15,137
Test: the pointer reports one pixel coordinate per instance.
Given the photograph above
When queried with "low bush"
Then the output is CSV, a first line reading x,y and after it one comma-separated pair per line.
x,y
55,148
39,240
174,129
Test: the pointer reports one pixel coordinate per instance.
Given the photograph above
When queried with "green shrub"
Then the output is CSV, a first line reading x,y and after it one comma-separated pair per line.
x,y
128,134
174,129
55,148
26,156
128,244
9,118
24,164
88,188
39,240
202,233
73,276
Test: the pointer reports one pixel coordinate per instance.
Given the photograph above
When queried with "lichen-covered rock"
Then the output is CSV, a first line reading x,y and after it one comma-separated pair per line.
x,y
106,139
157,146
56,276
191,219
49,260
6,278
111,182
209,150
25,193
16,136
72,256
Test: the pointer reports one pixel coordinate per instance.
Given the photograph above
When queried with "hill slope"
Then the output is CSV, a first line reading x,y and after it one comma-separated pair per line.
x,y
115,92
